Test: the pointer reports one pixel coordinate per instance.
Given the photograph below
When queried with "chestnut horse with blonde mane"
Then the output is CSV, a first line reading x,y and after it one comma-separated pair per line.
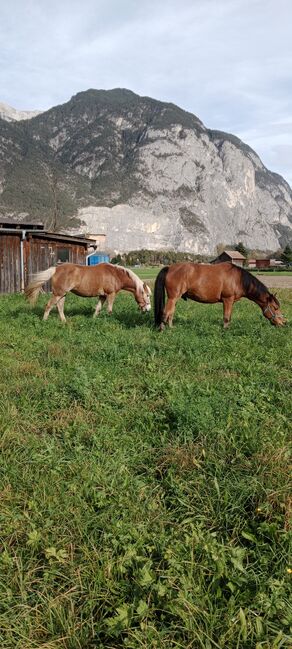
x,y
210,283
103,280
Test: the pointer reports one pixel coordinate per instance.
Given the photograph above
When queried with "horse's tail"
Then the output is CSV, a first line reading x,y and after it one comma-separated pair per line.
x,y
159,295
36,281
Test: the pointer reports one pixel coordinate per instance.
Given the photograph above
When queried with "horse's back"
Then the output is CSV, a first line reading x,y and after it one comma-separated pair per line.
x,y
84,280
202,282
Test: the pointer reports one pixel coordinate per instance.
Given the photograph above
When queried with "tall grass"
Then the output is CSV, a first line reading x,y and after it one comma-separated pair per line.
x,y
145,495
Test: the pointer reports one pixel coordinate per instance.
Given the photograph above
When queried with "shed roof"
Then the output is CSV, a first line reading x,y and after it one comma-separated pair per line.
x,y
57,236
234,254
19,225
37,230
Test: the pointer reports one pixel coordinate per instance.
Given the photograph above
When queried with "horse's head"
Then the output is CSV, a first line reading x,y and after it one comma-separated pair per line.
x,y
142,297
272,311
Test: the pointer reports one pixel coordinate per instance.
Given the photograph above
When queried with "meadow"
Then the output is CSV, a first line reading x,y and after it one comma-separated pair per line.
x,y
145,484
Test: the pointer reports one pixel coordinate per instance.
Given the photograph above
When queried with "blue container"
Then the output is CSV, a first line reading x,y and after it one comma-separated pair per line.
x,y
97,258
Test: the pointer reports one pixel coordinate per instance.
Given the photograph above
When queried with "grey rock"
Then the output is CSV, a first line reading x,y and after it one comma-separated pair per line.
x,y
147,174
11,114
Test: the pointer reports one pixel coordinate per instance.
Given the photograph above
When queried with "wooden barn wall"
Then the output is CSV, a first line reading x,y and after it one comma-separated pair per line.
x,y
38,253
42,253
10,278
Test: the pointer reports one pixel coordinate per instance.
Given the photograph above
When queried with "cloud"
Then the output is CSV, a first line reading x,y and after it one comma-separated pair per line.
x,y
227,61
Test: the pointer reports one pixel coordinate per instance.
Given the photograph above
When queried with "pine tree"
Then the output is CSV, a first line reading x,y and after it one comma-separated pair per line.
x,y
241,248
286,255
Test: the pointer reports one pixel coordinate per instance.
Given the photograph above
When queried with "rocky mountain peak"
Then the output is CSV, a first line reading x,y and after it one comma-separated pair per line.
x,y
145,172
10,114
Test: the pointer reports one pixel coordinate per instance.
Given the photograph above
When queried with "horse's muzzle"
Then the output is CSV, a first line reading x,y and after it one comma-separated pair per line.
x,y
279,322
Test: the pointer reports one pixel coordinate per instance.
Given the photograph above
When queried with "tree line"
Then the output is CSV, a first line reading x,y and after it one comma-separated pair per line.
x,y
146,257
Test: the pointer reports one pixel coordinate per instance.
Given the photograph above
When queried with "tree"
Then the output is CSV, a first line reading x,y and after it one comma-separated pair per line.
x,y
117,260
52,179
53,184
286,255
241,248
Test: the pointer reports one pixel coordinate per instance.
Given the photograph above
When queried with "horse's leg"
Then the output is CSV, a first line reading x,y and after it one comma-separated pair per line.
x,y
110,301
227,310
52,302
99,305
60,307
169,312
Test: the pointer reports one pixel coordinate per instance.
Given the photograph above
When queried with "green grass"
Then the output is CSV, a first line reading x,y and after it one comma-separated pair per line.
x,y
145,494
147,273
280,273
150,272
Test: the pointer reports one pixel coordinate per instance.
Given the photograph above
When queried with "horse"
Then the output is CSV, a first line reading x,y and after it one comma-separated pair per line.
x,y
104,280
209,284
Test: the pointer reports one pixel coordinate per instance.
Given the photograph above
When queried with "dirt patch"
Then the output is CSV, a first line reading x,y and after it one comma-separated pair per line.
x,y
275,281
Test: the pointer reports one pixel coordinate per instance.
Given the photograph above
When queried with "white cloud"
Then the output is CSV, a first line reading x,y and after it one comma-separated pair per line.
x,y
227,61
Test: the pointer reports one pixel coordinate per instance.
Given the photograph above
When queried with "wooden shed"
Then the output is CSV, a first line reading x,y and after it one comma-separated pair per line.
x,y
231,255
263,263
27,248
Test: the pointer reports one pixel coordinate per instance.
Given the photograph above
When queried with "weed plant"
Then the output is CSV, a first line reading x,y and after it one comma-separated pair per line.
x,y
145,495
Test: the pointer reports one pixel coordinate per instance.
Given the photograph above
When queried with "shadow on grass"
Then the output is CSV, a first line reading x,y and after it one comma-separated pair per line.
x,y
129,319
38,310
132,319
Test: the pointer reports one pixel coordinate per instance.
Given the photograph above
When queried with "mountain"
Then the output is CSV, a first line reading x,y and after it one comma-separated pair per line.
x,y
145,172
11,114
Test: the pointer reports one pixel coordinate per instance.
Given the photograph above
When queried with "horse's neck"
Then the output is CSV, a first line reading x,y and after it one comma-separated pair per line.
x,y
261,299
253,289
127,282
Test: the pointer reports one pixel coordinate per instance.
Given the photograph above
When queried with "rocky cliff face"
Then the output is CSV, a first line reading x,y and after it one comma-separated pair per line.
x,y
11,114
146,173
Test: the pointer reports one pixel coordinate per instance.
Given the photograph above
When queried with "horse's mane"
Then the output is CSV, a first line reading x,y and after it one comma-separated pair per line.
x,y
137,281
252,285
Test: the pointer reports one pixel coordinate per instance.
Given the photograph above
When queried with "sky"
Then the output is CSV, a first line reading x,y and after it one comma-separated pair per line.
x,y
227,61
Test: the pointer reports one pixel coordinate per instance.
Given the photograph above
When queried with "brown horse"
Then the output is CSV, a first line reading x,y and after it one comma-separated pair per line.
x,y
210,283
102,280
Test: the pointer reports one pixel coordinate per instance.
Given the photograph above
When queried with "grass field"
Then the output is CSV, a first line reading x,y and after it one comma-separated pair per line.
x,y
147,272
150,272
145,495
280,273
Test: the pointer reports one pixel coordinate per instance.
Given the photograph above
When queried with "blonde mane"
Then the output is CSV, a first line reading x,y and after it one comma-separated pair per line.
x,y
137,281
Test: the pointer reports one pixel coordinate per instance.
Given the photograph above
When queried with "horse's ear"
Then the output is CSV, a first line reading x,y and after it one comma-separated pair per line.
x,y
147,288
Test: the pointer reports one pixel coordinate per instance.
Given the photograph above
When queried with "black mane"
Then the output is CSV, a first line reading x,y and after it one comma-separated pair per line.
x,y
251,285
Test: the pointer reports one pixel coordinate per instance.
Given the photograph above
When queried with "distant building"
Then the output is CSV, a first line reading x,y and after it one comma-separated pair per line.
x,y
263,263
268,263
276,263
27,248
98,240
230,255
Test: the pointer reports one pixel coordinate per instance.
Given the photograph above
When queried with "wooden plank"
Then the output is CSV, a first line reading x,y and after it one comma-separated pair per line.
x,y
9,263
39,253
